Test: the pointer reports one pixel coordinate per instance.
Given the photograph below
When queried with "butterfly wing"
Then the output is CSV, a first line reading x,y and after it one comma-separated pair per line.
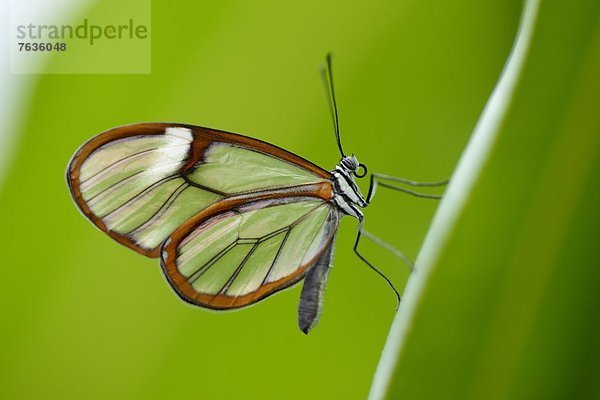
x,y
234,255
138,183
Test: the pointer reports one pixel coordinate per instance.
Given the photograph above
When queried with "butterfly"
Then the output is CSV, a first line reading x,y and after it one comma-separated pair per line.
x,y
232,219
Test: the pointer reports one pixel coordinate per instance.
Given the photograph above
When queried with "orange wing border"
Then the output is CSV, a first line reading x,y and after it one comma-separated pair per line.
x,y
220,301
202,139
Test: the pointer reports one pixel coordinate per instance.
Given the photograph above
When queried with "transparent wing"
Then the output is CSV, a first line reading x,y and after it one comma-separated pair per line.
x,y
138,183
236,257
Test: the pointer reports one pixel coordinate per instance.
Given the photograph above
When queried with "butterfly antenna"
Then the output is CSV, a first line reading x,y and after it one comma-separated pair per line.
x,y
327,75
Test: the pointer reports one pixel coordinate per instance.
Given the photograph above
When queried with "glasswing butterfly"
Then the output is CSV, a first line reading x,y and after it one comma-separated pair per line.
x,y
232,219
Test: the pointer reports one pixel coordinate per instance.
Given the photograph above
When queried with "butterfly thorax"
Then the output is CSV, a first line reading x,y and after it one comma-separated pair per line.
x,y
346,194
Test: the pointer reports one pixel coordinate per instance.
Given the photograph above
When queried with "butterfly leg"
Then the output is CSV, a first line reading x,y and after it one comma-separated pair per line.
x,y
383,180
361,231
397,252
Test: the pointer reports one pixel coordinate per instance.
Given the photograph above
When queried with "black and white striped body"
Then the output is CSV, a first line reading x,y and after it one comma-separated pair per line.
x,y
346,194
348,198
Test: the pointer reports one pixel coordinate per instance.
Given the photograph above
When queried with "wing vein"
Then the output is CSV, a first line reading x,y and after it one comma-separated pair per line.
x,y
116,184
238,270
324,223
203,187
203,268
140,195
162,210
281,246
129,157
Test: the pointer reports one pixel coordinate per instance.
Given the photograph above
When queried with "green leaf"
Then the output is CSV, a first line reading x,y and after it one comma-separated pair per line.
x,y
503,303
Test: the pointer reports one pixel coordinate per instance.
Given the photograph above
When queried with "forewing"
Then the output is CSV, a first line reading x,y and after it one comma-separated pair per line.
x,y
236,257
140,182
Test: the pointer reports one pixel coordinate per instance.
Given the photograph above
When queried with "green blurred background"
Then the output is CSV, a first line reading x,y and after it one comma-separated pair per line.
x,y
83,317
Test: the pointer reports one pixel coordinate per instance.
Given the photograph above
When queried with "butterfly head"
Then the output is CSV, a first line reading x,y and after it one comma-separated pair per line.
x,y
351,165
346,193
